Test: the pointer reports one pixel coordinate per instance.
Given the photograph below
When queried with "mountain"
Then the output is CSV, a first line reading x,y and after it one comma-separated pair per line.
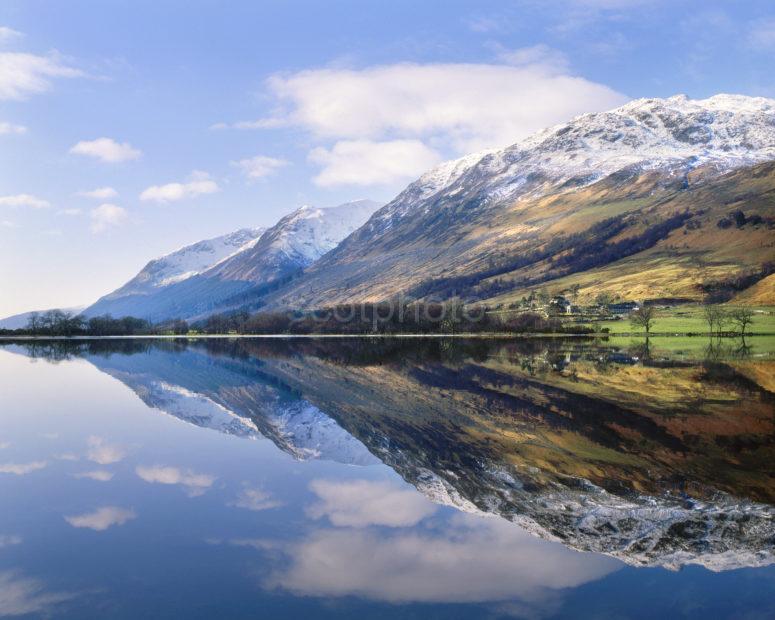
x,y
162,273
223,273
186,263
295,242
605,188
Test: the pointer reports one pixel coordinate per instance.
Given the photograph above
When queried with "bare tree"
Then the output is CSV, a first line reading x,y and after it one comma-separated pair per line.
x,y
715,317
742,317
644,317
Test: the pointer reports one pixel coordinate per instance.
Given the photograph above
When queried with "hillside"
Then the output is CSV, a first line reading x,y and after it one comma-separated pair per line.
x,y
640,201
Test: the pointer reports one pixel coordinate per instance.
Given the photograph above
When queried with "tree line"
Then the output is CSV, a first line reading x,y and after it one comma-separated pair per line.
x,y
60,323
349,319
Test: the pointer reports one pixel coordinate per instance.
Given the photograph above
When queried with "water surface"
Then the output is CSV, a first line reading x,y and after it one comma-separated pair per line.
x,y
386,478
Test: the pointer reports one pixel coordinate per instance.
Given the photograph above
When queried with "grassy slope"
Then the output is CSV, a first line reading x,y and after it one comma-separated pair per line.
x,y
676,265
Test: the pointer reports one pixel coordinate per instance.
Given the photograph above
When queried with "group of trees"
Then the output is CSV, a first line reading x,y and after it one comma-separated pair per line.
x,y
59,323
720,320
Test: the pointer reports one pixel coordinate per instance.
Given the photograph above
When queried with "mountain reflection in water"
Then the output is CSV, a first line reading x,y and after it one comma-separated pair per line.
x,y
652,460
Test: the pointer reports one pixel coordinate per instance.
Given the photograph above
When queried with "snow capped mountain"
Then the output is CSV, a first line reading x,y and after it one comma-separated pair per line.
x,y
187,262
464,215
725,131
428,185
225,273
296,241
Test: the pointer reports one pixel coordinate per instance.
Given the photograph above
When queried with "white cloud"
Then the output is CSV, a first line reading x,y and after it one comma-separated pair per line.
x,y
23,596
365,162
199,183
9,34
102,518
8,224
24,200
762,34
471,106
360,503
25,74
260,166
99,475
10,128
21,469
70,212
107,216
474,560
104,453
195,484
101,193
107,150
256,500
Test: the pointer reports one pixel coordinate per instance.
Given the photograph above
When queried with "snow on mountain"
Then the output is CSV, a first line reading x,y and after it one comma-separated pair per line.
x,y
311,434
724,533
428,185
725,131
296,241
187,262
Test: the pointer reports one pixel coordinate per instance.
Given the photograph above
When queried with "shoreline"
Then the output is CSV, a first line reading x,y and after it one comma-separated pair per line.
x,y
500,335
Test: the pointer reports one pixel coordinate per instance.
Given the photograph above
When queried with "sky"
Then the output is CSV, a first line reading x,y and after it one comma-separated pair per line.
x,y
129,128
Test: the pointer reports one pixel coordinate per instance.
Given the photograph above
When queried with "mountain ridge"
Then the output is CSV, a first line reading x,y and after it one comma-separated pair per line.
x,y
265,258
435,230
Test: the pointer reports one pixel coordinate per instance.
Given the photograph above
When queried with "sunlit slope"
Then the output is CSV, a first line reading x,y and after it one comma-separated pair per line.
x,y
645,236
685,261
642,200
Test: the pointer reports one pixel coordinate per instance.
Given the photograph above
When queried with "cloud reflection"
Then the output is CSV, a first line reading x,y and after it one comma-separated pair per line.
x,y
102,518
22,596
473,560
20,469
104,453
360,503
195,484
256,500
100,475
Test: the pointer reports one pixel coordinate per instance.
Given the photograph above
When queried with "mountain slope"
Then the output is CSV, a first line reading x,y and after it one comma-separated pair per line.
x,y
180,285
174,267
596,181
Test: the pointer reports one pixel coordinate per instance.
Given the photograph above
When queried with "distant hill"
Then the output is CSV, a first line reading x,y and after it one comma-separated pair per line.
x,y
224,273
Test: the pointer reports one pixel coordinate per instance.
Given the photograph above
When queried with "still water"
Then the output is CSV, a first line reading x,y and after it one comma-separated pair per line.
x,y
386,479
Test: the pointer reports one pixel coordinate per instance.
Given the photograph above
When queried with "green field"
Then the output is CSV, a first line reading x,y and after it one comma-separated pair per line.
x,y
689,320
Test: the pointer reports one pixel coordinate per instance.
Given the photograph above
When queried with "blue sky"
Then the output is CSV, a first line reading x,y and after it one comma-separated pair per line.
x,y
198,117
